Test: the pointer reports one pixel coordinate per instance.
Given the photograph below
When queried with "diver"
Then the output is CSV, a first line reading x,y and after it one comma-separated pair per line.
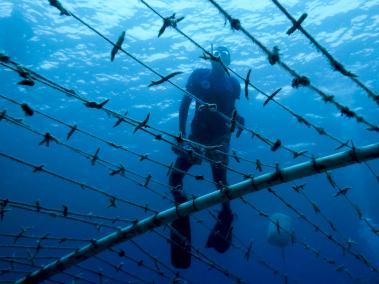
x,y
214,87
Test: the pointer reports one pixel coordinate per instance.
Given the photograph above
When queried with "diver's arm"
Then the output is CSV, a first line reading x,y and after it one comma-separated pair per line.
x,y
241,122
183,114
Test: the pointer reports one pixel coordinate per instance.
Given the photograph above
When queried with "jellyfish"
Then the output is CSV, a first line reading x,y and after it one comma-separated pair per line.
x,y
280,231
178,280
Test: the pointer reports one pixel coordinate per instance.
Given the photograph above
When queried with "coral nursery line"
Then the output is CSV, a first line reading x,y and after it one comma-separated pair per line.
x,y
230,192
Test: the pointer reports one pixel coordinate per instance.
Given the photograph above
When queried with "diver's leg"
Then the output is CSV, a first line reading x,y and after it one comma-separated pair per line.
x,y
220,237
180,229
181,166
219,173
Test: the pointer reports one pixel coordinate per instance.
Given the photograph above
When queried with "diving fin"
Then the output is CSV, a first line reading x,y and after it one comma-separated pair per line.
x,y
220,237
181,243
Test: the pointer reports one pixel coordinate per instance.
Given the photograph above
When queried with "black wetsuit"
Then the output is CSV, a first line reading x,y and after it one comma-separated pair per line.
x,y
208,128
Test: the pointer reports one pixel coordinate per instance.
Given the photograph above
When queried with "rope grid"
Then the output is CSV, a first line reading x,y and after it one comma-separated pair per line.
x,y
299,80
288,205
336,65
99,222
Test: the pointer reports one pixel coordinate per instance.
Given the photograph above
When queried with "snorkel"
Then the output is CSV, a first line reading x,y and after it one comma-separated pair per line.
x,y
223,54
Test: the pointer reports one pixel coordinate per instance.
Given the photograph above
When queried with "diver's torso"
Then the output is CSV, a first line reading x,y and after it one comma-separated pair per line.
x,y
208,126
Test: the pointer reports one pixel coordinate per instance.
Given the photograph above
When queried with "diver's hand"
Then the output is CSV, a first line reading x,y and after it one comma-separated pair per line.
x,y
181,147
241,124
177,148
187,150
239,132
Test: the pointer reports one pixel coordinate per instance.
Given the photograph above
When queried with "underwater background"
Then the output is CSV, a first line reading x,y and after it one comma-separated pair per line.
x,y
35,35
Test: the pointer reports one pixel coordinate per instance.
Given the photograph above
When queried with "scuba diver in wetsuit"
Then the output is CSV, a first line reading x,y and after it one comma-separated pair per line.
x,y
210,128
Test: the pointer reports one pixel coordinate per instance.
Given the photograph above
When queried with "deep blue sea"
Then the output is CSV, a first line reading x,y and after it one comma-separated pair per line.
x,y
45,216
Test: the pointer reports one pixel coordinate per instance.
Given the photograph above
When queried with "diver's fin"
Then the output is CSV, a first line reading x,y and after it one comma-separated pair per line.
x,y
220,237
181,243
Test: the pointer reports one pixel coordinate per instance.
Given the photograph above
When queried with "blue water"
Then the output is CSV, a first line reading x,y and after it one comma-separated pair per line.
x,y
33,34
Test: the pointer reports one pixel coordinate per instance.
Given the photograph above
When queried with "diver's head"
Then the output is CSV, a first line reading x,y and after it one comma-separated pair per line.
x,y
224,54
